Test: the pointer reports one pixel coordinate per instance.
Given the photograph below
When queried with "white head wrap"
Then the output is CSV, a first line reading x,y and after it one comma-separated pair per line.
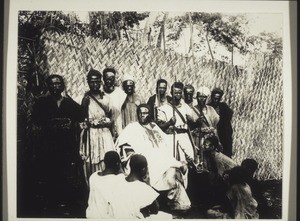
x,y
204,91
128,77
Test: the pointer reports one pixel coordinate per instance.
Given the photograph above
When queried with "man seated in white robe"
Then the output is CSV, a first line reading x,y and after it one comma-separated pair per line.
x,y
114,197
103,200
165,172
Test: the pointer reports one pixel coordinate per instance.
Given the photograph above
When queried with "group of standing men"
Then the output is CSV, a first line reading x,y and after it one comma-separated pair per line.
x,y
170,129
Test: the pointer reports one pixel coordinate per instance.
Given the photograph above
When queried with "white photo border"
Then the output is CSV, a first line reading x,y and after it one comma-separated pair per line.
x,y
10,78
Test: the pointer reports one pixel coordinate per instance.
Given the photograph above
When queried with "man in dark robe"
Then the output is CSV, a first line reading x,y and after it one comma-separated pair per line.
x,y
58,164
224,127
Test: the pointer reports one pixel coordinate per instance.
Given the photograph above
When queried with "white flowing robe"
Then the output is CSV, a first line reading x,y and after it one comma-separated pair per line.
x,y
112,197
116,100
151,142
102,198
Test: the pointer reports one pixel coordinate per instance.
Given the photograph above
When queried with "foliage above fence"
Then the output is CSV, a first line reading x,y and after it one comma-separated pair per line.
x,y
254,93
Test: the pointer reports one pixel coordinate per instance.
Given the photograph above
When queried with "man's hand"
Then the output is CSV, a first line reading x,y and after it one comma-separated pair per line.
x,y
172,121
200,119
183,168
189,118
178,176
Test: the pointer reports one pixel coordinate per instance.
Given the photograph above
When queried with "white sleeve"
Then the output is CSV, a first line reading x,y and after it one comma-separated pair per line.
x,y
145,194
192,113
162,115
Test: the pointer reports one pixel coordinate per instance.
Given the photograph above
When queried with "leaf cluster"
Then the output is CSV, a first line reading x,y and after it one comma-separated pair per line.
x,y
108,25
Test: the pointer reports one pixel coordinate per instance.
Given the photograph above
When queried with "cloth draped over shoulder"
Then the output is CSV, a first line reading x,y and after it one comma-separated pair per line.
x,y
95,142
116,100
57,151
224,126
223,162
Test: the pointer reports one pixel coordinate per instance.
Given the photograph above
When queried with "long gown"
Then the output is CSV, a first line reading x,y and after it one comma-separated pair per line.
x,y
95,142
58,160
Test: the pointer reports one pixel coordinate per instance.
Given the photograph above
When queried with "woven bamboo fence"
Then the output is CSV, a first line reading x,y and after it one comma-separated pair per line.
x,y
254,93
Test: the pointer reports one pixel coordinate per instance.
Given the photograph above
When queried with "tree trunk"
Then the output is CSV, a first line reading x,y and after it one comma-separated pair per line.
x,y
232,54
110,26
211,54
161,35
146,41
126,34
101,17
191,49
164,37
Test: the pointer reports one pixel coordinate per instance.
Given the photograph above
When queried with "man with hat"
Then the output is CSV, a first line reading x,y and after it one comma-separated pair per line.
x,y
207,118
129,107
165,172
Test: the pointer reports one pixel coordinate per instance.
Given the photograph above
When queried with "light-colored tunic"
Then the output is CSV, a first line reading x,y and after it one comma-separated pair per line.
x,y
211,116
102,198
116,100
136,195
111,196
129,113
165,113
244,205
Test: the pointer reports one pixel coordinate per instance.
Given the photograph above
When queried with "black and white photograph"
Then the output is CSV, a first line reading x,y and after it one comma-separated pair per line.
x,y
150,113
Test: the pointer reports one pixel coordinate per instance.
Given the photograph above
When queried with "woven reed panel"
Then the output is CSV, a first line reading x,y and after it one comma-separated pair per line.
x,y
255,93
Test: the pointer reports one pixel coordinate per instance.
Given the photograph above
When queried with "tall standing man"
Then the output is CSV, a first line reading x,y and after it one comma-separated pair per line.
x,y
59,162
129,108
116,99
173,119
96,137
188,92
224,126
158,99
